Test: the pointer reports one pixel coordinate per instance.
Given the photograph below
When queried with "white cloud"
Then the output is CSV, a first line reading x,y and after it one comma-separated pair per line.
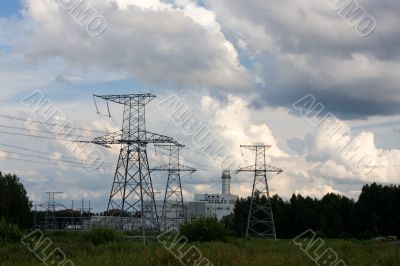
x,y
330,159
317,191
302,46
3,155
149,41
232,120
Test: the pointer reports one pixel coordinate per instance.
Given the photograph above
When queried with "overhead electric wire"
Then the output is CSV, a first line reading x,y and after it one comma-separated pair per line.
x,y
48,163
41,157
38,130
37,136
58,70
51,124
67,162
46,153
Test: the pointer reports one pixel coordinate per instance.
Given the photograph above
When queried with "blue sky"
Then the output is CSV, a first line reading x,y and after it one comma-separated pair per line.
x,y
10,8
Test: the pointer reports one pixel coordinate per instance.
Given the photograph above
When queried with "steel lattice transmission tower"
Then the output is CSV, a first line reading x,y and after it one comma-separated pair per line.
x,y
260,221
132,193
173,199
51,206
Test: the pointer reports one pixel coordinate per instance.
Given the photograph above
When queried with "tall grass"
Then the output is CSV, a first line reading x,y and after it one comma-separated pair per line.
x,y
233,252
9,232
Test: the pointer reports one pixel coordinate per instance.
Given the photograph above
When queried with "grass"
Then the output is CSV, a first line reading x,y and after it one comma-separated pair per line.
x,y
232,252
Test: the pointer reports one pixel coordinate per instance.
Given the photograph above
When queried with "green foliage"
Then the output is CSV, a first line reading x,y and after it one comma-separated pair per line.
x,y
14,202
204,230
376,212
9,232
233,252
365,235
103,235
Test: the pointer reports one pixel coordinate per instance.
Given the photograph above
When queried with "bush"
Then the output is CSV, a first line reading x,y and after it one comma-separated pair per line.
x,y
103,235
9,232
366,235
345,235
203,230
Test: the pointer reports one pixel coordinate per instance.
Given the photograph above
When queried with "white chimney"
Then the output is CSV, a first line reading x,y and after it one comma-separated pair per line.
x,y
226,182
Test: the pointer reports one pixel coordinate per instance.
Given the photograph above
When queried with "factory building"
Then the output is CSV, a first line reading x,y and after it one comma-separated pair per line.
x,y
215,205
204,205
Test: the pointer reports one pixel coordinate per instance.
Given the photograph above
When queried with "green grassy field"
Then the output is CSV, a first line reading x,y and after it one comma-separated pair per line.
x,y
231,252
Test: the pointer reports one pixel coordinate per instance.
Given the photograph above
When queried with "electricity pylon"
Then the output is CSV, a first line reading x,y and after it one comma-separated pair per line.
x,y
132,193
260,221
173,199
51,208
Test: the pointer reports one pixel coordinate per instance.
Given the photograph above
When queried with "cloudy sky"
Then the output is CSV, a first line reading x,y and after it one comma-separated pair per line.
x,y
315,82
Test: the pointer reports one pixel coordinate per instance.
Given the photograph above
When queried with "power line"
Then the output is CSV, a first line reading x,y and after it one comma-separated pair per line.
x,y
37,136
46,158
48,163
40,152
51,124
41,157
57,70
36,130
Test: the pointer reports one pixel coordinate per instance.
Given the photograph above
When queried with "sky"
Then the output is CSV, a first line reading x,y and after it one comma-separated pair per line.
x,y
316,83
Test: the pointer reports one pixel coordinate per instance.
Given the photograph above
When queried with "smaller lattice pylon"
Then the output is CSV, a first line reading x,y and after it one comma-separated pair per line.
x,y
260,221
173,211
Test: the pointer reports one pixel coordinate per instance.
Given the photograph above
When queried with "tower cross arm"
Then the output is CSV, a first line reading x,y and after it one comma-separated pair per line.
x,y
254,147
157,138
181,168
124,99
117,138
106,140
169,147
266,169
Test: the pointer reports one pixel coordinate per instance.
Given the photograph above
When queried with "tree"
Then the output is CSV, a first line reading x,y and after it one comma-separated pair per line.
x,y
379,209
14,202
203,230
240,215
377,212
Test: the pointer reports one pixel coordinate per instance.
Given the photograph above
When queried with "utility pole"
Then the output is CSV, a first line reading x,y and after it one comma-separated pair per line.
x,y
132,192
173,189
260,221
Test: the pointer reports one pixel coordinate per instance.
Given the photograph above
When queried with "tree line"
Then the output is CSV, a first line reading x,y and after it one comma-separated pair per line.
x,y
375,213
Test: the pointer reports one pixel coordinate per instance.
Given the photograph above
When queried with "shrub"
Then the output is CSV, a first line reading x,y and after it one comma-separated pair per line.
x,y
366,235
345,235
203,230
103,235
9,232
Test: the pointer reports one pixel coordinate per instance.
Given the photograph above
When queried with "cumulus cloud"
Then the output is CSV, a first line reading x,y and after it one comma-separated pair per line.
x,y
232,120
149,41
330,157
302,47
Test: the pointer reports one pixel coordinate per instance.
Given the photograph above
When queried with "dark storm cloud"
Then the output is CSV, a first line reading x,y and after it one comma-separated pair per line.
x,y
309,46
346,101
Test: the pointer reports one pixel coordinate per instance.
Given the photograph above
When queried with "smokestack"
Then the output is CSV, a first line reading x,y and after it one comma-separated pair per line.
x,y
226,182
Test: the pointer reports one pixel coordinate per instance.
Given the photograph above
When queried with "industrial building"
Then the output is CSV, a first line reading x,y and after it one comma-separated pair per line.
x,y
215,205
204,205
